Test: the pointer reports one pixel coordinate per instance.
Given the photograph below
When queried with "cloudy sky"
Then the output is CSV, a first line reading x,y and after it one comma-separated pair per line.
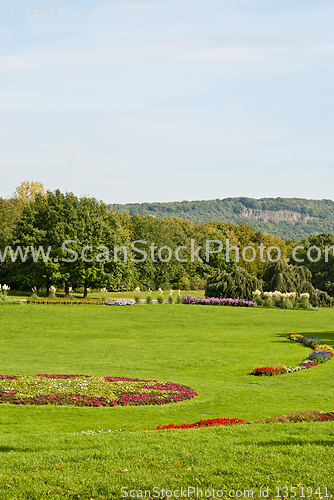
x,y
163,100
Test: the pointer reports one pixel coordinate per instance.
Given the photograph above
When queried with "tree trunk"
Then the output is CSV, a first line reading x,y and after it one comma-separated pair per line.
x,y
47,287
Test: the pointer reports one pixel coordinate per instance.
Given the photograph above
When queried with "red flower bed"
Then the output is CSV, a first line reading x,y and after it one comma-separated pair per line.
x,y
325,417
269,371
201,423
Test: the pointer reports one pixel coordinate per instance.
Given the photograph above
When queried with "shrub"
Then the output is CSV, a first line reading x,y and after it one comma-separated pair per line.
x,y
3,293
170,297
160,296
237,285
299,416
149,298
137,295
290,278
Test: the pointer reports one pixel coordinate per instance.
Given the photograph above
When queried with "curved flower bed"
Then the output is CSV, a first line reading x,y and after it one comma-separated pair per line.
x,y
214,301
88,390
321,353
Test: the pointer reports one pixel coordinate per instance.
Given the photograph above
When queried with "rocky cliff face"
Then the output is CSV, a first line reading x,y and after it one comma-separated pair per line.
x,y
274,215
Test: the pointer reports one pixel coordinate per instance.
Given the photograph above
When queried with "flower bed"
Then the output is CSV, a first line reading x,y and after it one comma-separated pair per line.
x,y
87,390
200,423
325,417
268,371
300,416
121,302
321,353
214,301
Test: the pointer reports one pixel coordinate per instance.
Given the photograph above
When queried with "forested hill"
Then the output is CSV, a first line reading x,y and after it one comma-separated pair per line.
x,y
286,217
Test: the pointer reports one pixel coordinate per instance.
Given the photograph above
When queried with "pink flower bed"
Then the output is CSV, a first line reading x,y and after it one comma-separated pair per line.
x,y
137,392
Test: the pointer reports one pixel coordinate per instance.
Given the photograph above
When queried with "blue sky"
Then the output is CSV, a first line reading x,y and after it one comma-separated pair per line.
x,y
133,101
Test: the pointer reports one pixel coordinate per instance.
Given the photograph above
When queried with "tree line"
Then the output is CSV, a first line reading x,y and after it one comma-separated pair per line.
x,y
320,212
35,218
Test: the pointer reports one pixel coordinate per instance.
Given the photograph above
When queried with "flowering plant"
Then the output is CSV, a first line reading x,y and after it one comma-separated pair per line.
x,y
296,337
320,356
323,347
324,417
269,371
170,297
121,302
4,289
137,295
310,341
214,301
160,297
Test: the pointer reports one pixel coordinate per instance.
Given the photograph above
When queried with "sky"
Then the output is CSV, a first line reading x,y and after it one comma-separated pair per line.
x,y
167,100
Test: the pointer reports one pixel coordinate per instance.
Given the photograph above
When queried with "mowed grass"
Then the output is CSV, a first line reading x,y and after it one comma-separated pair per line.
x,y
213,350
252,457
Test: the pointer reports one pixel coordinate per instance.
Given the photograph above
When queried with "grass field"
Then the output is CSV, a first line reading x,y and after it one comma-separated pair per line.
x,y
213,350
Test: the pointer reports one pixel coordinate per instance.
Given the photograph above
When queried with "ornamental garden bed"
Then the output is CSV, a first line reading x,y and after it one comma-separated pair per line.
x,y
299,416
214,301
89,390
72,302
320,354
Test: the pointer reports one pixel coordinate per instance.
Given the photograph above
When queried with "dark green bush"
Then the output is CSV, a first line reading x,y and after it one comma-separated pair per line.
x,y
238,284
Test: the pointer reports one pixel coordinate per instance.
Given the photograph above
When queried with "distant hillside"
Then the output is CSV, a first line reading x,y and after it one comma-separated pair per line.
x,y
287,217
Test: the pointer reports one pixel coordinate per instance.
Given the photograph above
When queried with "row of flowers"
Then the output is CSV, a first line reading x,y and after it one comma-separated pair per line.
x,y
200,423
87,390
304,416
213,301
321,352
280,295
285,300
121,302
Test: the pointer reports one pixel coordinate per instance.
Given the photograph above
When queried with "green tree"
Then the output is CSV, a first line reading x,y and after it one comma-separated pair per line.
x,y
320,264
238,284
75,235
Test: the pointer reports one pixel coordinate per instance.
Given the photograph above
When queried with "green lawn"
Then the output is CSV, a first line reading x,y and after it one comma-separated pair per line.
x,y
213,350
